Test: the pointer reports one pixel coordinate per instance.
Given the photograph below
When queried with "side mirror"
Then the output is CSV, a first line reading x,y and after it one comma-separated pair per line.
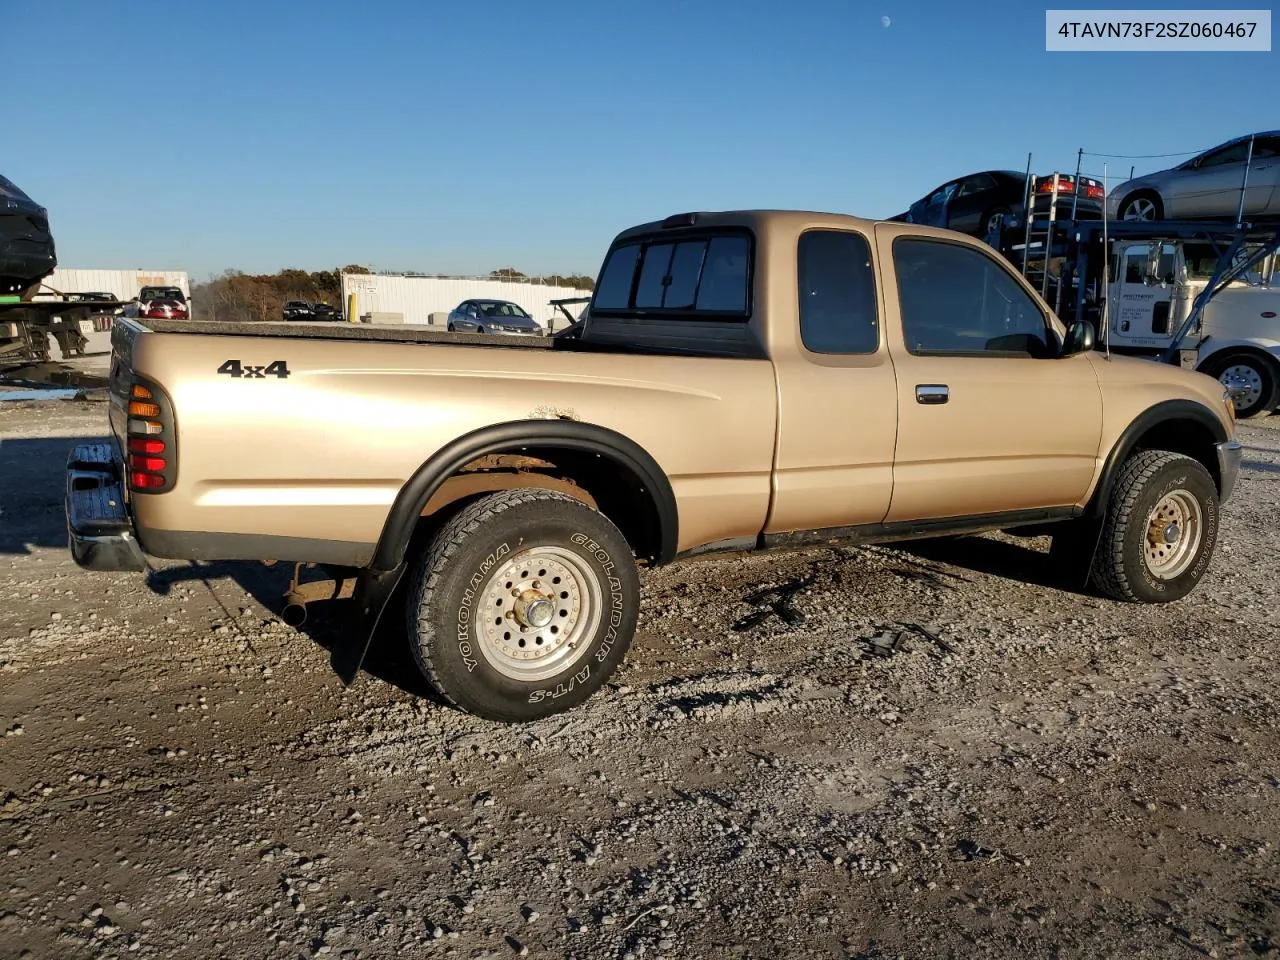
x,y
1153,265
1079,338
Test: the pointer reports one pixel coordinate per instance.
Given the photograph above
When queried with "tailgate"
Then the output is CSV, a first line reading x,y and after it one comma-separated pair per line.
x,y
124,335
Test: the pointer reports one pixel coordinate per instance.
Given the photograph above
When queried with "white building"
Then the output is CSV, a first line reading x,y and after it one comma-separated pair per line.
x,y
415,299
125,284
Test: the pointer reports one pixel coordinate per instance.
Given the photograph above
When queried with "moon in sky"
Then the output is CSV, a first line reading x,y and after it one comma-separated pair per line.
x,y
886,21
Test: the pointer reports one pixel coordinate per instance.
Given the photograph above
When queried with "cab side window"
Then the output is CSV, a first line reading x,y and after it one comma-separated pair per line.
x,y
837,293
956,300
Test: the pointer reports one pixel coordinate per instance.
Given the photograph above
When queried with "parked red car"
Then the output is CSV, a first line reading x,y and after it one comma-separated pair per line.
x,y
165,310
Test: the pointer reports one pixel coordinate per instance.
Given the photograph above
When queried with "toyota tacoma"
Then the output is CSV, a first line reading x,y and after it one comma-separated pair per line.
x,y
743,381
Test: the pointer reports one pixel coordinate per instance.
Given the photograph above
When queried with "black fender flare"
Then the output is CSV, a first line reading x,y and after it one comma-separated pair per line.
x,y
1163,412
513,437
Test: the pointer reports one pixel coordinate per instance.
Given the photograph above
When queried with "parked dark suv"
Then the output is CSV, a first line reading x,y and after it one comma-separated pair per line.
x,y
298,310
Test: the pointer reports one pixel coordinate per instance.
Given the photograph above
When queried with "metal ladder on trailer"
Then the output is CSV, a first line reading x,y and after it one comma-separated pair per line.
x,y
1043,232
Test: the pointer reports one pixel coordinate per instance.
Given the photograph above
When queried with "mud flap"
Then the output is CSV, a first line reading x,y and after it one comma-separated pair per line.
x,y
373,590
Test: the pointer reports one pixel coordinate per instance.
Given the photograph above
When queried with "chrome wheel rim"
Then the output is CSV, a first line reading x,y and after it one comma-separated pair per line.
x,y
1174,529
538,614
1244,383
1139,209
994,221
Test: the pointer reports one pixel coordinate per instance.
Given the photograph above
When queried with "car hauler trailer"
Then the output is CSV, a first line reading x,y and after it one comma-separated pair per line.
x,y
1198,293
27,325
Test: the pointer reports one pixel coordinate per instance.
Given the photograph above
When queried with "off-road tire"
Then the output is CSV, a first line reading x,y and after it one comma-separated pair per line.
x,y
455,581
1120,568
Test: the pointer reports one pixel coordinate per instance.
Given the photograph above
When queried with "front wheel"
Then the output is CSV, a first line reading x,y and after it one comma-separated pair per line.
x,y
1143,205
1251,381
994,221
1160,529
523,605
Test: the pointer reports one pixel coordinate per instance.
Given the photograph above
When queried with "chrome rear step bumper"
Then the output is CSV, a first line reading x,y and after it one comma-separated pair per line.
x,y
99,528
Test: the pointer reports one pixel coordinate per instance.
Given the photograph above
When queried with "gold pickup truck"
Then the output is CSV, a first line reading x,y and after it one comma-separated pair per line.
x,y
742,381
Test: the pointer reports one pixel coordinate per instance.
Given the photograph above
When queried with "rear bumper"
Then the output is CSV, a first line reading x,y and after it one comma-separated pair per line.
x,y
99,527
1229,454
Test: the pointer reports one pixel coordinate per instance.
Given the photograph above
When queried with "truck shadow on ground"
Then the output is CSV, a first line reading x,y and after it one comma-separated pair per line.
x,y
1261,466
1014,560
331,624
32,488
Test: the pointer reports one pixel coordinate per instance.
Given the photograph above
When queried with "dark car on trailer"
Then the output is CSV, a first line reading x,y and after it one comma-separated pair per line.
x,y
972,203
27,253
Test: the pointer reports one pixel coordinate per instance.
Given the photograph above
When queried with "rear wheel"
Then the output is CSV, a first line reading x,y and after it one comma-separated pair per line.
x,y
1251,381
1160,529
523,605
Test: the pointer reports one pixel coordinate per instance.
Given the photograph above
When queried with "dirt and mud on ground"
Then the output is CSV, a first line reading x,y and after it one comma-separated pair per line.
x,y
781,768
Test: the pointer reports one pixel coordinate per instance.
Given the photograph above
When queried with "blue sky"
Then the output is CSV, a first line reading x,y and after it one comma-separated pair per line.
x,y
406,134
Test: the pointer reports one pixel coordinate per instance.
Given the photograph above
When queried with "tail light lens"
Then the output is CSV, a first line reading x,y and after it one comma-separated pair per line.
x,y
1095,192
146,482
150,439
143,445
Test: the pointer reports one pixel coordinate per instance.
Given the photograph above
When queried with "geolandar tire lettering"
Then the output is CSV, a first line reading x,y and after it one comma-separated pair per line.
x,y
1160,529
523,605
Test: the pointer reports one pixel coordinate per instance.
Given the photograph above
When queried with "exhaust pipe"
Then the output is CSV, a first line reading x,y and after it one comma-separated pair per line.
x,y
295,610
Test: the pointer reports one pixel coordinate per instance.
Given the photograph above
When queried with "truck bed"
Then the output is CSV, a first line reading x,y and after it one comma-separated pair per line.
x,y
334,330
631,335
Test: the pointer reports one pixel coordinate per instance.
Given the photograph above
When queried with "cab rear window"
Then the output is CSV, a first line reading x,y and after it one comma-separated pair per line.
x,y
703,276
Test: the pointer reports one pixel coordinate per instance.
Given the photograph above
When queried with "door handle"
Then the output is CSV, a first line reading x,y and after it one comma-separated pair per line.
x,y
932,393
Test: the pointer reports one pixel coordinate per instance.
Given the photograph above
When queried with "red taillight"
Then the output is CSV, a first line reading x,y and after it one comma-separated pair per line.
x,y
145,481
149,437
1095,192
151,464
144,446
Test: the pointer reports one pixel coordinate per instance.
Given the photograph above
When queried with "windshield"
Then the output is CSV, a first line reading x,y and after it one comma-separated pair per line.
x,y
502,310
161,293
1202,261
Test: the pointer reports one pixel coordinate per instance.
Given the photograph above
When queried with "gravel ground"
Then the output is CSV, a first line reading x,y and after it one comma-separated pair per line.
x,y
1034,773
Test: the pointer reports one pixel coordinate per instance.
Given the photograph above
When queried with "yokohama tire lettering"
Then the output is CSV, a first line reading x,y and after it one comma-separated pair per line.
x,y
468,597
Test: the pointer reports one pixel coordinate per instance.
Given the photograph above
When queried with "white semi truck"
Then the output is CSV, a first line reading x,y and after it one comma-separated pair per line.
x,y
1153,286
